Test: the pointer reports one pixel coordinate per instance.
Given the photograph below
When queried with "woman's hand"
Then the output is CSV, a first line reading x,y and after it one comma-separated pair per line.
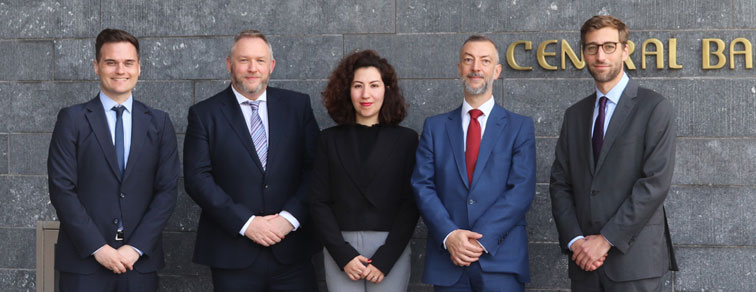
x,y
373,274
355,269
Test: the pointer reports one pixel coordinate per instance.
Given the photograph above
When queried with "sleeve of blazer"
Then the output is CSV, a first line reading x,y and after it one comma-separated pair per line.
x,y
560,190
146,234
296,204
651,189
323,216
199,181
513,203
63,179
404,222
434,213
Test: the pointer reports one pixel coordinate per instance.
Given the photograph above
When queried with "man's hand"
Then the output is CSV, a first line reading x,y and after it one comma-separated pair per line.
x,y
373,274
263,232
590,252
109,258
463,247
129,256
280,224
356,268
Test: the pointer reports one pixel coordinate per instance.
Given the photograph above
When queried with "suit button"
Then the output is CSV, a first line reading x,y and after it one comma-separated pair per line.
x,y
266,186
471,201
115,221
122,196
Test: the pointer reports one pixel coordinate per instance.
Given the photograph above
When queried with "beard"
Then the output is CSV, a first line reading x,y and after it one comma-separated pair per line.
x,y
607,76
469,89
238,82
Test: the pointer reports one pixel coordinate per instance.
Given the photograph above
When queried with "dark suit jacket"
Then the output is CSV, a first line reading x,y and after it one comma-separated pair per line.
x,y
622,196
89,194
225,178
494,204
349,195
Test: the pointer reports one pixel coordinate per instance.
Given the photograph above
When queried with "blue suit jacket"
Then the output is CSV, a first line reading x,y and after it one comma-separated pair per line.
x,y
493,205
89,194
225,177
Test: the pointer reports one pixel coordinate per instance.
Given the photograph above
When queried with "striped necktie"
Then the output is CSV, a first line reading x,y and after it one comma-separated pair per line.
x,y
259,138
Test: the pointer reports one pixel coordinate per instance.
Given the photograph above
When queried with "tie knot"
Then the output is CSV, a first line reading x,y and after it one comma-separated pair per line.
x,y
119,109
475,113
602,101
253,104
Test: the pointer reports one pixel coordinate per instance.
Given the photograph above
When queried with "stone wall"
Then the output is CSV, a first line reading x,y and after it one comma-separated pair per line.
x,y
46,51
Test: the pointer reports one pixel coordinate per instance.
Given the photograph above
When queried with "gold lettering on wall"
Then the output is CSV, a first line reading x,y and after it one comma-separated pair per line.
x,y
747,52
658,52
673,54
510,55
567,52
542,54
630,49
706,51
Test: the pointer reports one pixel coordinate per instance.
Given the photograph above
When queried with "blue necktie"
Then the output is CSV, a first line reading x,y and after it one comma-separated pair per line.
x,y
259,138
119,136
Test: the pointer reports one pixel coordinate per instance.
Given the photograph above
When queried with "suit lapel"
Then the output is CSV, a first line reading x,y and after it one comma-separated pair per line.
x,y
586,135
494,126
99,124
232,113
139,131
277,119
362,174
619,117
454,133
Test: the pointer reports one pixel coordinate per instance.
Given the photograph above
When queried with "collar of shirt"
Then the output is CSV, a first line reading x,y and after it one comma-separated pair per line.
x,y
613,97
108,103
262,110
486,108
615,93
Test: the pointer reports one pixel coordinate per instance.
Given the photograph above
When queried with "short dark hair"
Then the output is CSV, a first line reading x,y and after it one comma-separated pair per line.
x,y
601,21
480,38
110,35
337,95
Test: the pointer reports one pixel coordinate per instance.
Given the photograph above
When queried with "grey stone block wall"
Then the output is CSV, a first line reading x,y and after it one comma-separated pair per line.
x,y
47,47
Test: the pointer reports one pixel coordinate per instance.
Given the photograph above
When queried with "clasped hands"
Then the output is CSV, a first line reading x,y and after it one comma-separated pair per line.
x,y
590,252
360,268
268,230
117,260
463,246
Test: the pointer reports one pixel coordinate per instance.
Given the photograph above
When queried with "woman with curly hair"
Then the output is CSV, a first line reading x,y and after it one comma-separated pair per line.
x,y
361,199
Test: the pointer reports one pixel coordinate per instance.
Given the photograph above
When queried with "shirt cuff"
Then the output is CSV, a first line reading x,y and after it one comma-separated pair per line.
x,y
293,220
447,236
481,245
137,250
93,253
607,240
246,225
569,245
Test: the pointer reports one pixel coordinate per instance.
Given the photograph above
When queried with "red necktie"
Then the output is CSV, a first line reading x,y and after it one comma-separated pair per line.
x,y
473,143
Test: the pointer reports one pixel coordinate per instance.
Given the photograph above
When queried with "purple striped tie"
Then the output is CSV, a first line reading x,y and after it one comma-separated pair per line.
x,y
598,130
258,133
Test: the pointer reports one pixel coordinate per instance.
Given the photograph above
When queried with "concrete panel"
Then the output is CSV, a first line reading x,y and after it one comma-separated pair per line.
x,y
29,153
34,107
47,18
716,269
18,252
25,201
26,60
715,161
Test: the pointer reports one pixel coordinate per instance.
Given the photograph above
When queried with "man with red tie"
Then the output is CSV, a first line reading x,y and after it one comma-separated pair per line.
x,y
474,181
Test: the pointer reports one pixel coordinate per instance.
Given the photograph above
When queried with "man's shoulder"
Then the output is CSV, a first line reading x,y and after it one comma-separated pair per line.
x,y
280,92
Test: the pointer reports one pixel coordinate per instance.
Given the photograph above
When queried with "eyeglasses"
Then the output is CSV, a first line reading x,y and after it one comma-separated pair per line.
x,y
608,47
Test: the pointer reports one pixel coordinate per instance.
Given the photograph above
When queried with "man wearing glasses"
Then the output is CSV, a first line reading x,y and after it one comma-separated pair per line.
x,y
612,171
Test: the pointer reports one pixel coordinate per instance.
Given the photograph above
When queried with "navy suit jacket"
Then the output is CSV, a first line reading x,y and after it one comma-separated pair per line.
x,y
225,178
90,196
493,205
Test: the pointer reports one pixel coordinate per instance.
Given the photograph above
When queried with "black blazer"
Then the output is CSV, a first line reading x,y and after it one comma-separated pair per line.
x,y
622,196
89,194
225,178
348,195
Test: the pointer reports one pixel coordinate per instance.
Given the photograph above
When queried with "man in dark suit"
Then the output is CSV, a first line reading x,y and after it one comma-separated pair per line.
x,y
474,181
612,172
112,169
247,154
